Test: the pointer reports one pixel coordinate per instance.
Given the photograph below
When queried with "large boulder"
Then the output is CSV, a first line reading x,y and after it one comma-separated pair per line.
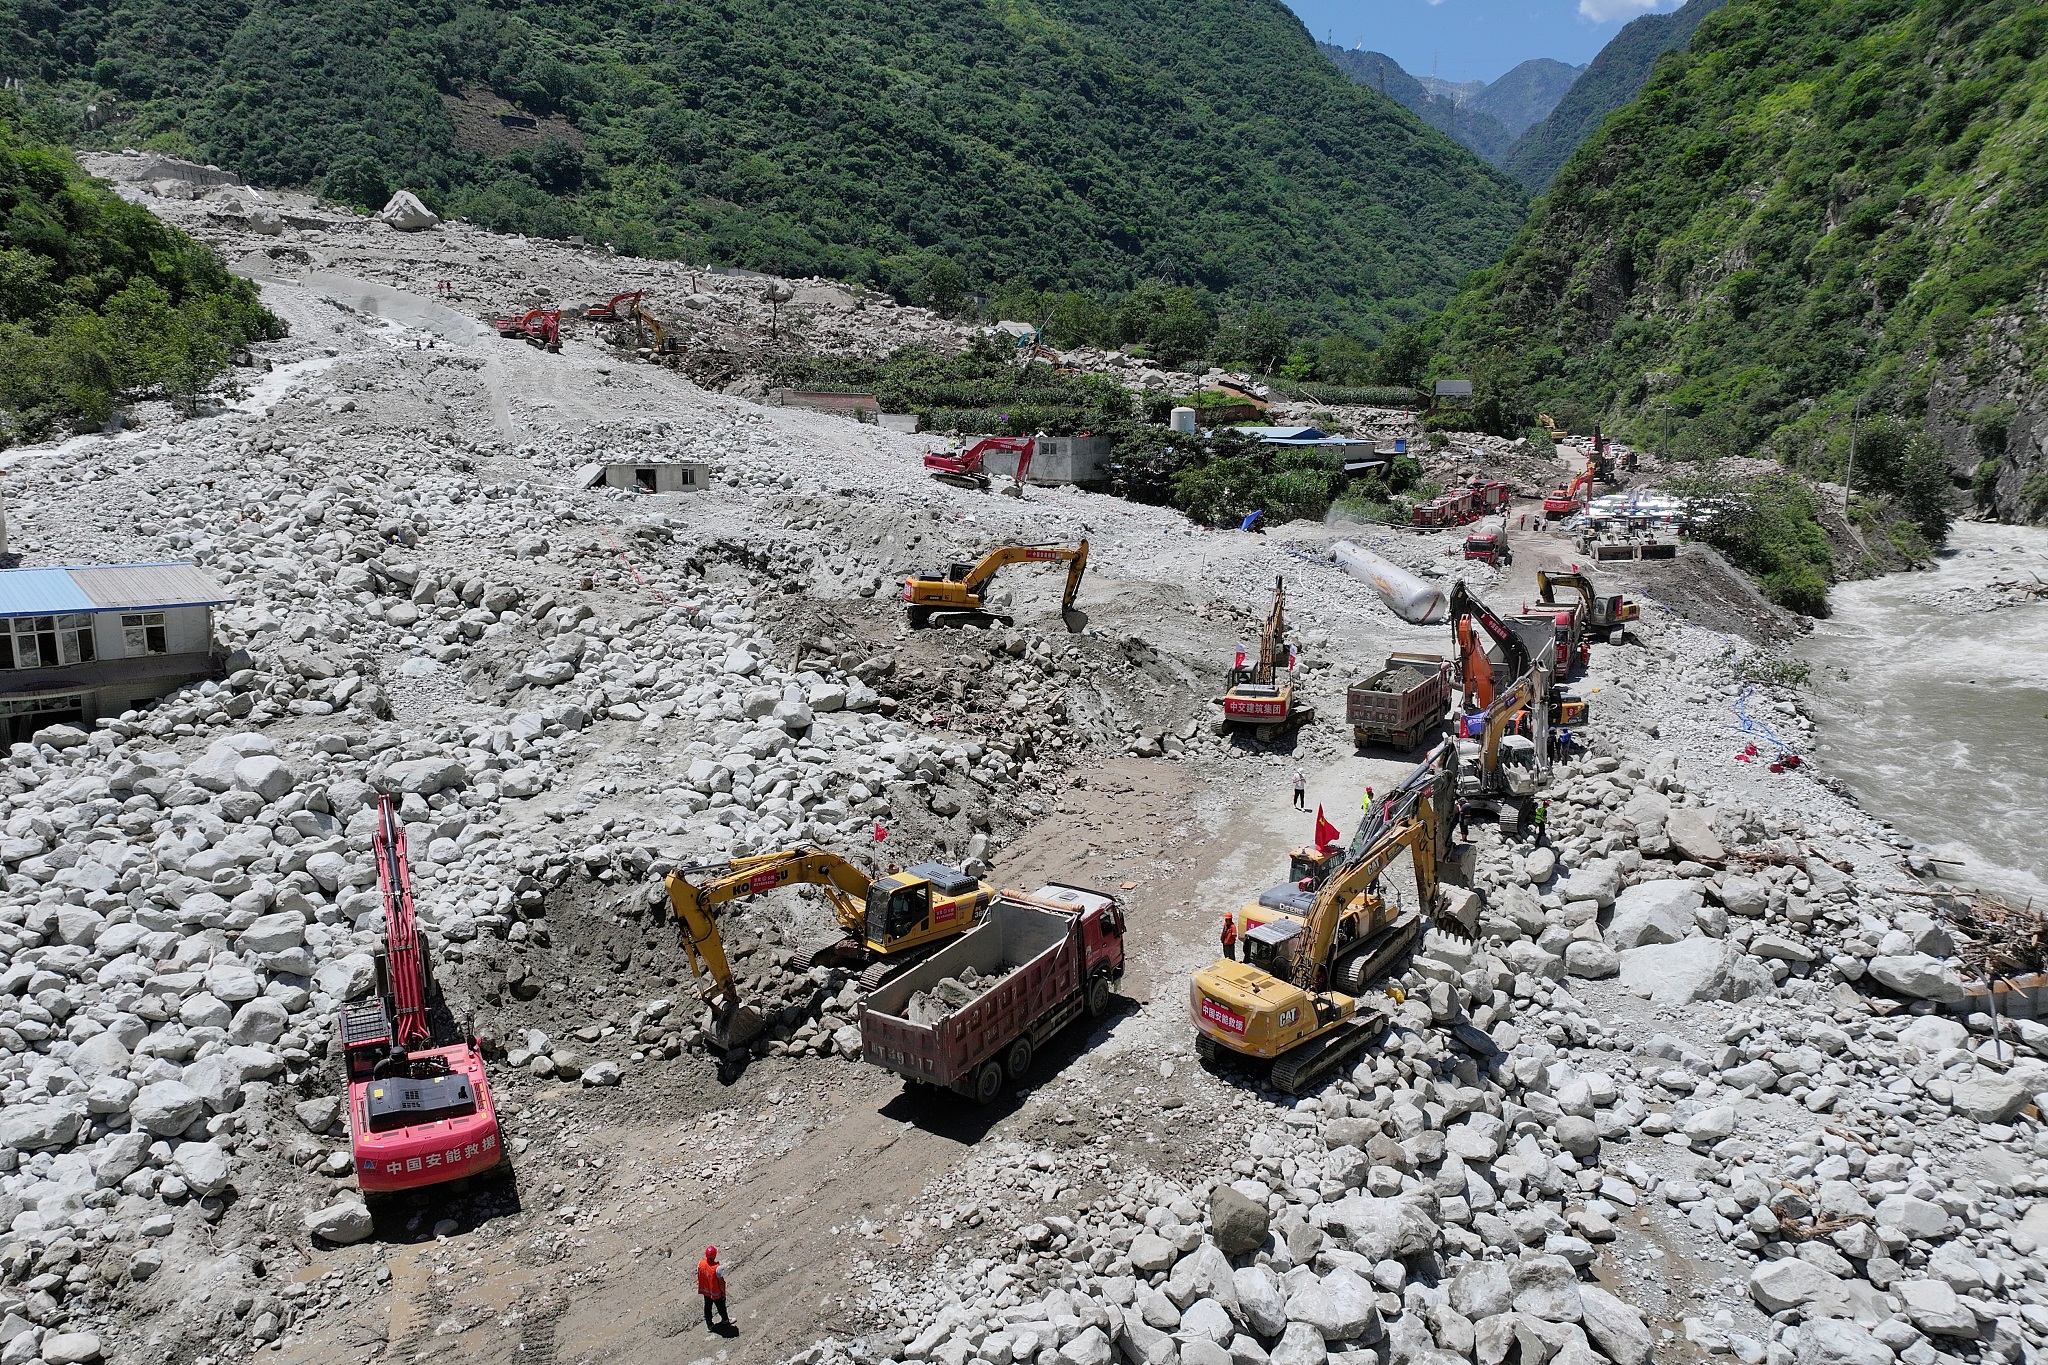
x,y
1692,837
1547,1287
404,212
100,1055
422,776
1693,970
1654,912
1918,975
1340,1306
1989,1097
202,1166
1300,1344
1599,882
273,933
1744,896
347,1221
1936,1308
1380,1229
1617,1329
346,978
1260,1301
166,1108
1832,1341
39,1127
264,774
1237,1223
1482,1289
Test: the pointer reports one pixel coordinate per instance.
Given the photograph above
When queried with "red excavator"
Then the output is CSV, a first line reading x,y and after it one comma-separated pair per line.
x,y
419,1107
964,467
611,311
1566,499
540,327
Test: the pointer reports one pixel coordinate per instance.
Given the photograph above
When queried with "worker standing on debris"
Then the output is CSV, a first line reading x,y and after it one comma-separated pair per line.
x,y
711,1284
1541,821
1365,806
1464,818
1300,790
1229,935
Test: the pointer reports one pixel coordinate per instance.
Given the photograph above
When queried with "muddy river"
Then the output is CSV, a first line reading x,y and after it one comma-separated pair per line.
x,y
1931,698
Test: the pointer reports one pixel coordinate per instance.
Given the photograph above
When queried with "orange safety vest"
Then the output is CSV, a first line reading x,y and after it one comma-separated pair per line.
x,y
710,1280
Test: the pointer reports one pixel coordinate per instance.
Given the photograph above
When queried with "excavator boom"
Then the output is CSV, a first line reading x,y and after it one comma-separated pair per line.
x,y
405,962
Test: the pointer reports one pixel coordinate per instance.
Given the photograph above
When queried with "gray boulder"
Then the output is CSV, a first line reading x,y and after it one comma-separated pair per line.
x,y
1599,882
202,1166
1832,1341
1617,1329
347,1221
1692,837
39,1127
1238,1224
1654,912
404,212
1340,1306
1918,975
1744,896
166,1108
1546,1287
1693,970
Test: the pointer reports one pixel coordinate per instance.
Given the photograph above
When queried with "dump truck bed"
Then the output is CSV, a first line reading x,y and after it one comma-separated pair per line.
x,y
1401,701
1037,953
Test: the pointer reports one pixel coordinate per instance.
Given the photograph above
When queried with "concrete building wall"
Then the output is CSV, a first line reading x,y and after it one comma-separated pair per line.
x,y
1058,459
675,476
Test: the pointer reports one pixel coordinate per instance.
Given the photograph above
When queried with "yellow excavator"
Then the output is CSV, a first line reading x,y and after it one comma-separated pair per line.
x,y
960,588
1256,692
887,926
1605,614
1298,999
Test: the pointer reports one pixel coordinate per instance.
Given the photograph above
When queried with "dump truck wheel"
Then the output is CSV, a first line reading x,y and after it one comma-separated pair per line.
x,y
1018,1060
988,1083
1098,997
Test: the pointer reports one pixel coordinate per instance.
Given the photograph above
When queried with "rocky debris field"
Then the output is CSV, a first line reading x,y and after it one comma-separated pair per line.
x,y
1707,1085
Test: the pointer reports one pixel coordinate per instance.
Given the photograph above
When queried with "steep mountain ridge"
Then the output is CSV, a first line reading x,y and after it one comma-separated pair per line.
x,y
1083,144
1607,83
1526,94
1477,130
1825,214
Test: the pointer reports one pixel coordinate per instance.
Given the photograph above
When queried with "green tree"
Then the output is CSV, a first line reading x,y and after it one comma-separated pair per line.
x,y
358,181
943,287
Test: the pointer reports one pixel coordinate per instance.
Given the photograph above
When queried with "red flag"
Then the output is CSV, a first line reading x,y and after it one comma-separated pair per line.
x,y
1326,833
1240,659
880,833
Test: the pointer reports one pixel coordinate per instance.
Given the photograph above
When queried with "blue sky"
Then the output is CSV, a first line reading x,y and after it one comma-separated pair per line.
x,y
1470,39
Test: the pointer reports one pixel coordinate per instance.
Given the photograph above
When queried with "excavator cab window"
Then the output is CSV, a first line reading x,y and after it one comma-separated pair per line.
x,y
896,911
958,572
1271,946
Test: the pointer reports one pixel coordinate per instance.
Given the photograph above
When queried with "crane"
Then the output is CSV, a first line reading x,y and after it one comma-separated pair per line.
x,y
419,1104
1605,615
1254,693
886,926
960,588
964,467
1297,999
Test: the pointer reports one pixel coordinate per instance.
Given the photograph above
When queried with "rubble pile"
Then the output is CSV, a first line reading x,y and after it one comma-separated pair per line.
x,y
949,995
1825,1167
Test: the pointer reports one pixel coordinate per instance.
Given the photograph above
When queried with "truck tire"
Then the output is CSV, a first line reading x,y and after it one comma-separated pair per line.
x,y
1098,997
1017,1061
988,1083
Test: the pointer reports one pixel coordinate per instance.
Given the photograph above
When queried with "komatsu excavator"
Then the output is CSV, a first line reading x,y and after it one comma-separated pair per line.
x,y
1255,692
887,926
960,589
1298,999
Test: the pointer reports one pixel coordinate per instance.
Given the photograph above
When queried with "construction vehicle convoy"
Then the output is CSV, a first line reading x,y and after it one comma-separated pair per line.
x,y
960,589
966,468
419,1104
1255,692
540,327
1401,703
1053,956
1604,614
1298,1001
887,926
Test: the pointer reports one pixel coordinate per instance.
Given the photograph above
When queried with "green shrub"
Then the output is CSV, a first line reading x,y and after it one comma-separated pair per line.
x,y
1769,527
100,301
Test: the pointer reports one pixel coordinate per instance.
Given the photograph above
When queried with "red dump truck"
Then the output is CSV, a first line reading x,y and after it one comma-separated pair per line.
x,y
1400,703
1053,954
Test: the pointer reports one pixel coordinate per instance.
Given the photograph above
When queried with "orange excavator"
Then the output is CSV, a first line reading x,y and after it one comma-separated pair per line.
x,y
963,468
959,589
1568,498
623,311
1469,616
540,327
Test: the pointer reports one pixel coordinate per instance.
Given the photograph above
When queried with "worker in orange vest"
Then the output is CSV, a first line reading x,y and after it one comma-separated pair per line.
x,y
1229,936
711,1284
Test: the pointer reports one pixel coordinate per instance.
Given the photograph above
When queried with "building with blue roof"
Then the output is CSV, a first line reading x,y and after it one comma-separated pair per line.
x,y
83,641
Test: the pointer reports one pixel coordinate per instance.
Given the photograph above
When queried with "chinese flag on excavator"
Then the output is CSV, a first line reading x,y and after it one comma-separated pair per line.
x,y
1326,833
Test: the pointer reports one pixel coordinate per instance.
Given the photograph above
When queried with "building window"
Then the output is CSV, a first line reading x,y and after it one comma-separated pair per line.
x,y
46,641
42,706
144,633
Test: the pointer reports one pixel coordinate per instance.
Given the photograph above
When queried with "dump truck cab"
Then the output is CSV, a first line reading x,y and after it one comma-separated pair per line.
x,y
1489,547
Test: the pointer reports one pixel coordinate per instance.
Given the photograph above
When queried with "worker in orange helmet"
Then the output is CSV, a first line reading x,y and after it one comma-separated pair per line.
x,y
1229,935
711,1284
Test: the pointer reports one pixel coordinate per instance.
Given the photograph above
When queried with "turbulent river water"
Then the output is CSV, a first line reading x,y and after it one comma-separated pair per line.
x,y
1930,695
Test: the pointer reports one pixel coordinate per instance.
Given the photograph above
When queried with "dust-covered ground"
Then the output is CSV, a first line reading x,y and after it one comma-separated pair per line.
x,y
625,684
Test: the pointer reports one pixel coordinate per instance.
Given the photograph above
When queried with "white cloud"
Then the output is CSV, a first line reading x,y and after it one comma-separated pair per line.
x,y
1612,11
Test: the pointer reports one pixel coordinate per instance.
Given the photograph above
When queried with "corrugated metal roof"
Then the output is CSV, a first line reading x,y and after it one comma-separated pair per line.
x,y
38,592
128,586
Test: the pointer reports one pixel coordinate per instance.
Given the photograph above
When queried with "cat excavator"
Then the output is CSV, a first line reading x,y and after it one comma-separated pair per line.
x,y
960,589
1255,693
1298,1001
887,926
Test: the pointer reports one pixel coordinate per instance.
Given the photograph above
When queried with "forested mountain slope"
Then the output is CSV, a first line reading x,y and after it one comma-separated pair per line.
x,y
1479,131
1823,206
1611,81
1089,144
1526,94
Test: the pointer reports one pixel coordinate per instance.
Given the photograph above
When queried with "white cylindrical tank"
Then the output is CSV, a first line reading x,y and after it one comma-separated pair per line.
x,y
1408,597
1182,419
